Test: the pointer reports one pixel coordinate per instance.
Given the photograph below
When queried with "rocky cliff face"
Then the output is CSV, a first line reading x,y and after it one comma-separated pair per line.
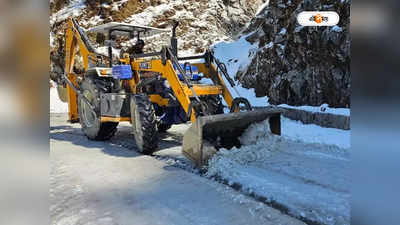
x,y
299,65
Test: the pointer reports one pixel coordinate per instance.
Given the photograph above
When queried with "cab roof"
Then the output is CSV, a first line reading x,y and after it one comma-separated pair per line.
x,y
125,28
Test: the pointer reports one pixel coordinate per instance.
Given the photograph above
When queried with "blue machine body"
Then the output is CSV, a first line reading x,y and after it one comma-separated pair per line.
x,y
173,115
195,72
122,72
176,114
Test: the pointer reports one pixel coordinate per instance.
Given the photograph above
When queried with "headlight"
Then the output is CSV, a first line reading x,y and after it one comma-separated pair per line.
x,y
166,84
103,72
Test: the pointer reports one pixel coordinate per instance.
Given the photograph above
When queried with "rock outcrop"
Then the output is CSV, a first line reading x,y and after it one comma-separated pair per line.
x,y
299,65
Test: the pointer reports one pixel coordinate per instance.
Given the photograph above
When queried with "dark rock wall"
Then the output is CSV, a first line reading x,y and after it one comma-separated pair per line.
x,y
299,65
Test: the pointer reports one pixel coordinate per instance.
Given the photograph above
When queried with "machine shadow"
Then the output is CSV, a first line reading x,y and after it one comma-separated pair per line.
x,y
122,144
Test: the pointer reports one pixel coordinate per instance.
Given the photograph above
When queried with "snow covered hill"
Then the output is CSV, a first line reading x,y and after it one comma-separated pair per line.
x,y
202,23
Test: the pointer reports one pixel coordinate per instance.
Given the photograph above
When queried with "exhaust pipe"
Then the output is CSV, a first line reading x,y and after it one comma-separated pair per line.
x,y
174,40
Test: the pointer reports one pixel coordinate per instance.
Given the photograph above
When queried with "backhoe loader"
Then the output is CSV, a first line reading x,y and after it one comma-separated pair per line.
x,y
153,91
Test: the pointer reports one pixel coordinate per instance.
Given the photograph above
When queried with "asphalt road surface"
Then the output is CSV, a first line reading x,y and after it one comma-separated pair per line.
x,y
108,183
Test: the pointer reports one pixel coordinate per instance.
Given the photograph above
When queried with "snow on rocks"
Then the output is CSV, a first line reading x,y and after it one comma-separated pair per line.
x,y
292,72
74,9
262,7
324,108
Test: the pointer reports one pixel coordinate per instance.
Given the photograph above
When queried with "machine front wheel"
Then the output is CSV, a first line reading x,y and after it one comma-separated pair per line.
x,y
144,123
162,127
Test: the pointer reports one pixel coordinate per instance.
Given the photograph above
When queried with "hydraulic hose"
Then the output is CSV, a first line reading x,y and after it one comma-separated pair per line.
x,y
222,67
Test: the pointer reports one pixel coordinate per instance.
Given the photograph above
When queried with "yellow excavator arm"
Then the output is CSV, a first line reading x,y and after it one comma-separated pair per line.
x,y
75,37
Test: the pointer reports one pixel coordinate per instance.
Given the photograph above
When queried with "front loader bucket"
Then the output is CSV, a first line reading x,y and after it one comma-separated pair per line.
x,y
209,133
62,93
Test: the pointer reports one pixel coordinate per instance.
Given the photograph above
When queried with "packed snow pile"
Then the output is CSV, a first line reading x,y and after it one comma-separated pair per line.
x,y
258,145
310,180
297,65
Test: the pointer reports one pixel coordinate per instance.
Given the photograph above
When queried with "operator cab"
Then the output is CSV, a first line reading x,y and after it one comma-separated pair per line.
x,y
113,30
126,29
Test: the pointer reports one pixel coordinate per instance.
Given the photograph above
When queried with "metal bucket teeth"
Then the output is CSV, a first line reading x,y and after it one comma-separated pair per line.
x,y
209,133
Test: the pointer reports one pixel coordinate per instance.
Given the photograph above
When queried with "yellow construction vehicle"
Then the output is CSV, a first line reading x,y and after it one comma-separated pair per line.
x,y
152,91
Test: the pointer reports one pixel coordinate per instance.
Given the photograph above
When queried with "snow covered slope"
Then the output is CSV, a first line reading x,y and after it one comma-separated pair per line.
x,y
237,55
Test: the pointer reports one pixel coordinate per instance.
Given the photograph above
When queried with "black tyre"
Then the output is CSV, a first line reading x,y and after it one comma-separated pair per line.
x,y
162,127
144,123
236,105
90,121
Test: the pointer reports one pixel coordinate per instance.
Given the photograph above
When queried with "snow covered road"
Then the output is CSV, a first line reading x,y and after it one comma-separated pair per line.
x,y
105,184
310,181
304,173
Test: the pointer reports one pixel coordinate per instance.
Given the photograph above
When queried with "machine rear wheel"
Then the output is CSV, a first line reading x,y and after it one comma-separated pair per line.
x,y
90,121
144,123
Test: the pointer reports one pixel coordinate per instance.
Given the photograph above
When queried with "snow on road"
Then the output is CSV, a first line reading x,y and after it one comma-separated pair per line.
x,y
305,170
311,180
102,183
311,133
324,108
